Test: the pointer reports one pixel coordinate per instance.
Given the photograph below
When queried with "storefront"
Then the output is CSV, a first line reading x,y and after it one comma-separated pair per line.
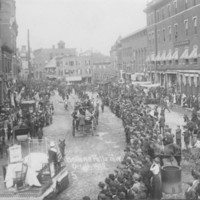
x,y
189,83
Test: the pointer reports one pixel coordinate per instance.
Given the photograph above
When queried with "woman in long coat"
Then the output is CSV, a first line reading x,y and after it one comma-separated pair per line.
x,y
156,184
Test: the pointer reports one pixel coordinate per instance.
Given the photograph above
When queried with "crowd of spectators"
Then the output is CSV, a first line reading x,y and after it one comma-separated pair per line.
x,y
29,110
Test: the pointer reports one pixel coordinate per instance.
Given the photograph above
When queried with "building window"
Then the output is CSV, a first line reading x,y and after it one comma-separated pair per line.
x,y
175,6
164,35
169,10
186,27
195,24
149,39
186,4
163,13
152,38
170,33
149,19
176,31
152,21
158,35
158,15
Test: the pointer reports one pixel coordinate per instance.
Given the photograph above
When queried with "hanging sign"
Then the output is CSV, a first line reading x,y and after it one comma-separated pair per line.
x,y
15,153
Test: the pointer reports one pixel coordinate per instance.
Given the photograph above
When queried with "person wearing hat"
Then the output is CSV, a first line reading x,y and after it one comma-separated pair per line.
x,y
53,159
86,198
156,185
162,123
186,134
178,135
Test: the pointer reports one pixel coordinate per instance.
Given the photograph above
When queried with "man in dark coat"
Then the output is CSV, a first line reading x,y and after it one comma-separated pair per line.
x,y
178,136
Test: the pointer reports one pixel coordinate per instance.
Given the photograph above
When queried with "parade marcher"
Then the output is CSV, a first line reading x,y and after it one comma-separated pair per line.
x,y
53,159
186,134
156,112
102,106
178,135
162,124
75,118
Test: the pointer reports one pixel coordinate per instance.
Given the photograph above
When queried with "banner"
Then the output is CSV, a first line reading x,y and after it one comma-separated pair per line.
x,y
195,81
15,153
184,80
189,80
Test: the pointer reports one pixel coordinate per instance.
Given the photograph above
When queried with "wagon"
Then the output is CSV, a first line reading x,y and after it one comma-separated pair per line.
x,y
88,127
28,106
21,133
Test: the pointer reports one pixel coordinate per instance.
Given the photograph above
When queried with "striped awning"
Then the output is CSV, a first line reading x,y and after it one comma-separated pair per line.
x,y
194,53
158,57
175,55
169,55
152,57
163,56
185,54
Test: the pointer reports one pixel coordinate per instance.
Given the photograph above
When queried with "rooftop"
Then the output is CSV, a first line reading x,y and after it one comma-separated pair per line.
x,y
134,33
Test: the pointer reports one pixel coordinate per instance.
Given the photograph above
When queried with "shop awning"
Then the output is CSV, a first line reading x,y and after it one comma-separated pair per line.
x,y
185,54
157,57
51,77
194,53
175,55
163,56
152,57
169,55
73,78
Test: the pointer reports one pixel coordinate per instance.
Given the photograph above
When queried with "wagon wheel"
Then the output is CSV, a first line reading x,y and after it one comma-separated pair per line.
x,y
95,124
73,129
92,128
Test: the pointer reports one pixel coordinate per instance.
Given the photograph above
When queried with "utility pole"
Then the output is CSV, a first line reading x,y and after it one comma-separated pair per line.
x,y
29,57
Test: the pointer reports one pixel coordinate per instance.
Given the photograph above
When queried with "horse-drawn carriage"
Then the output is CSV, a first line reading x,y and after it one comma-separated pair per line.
x,y
83,123
28,106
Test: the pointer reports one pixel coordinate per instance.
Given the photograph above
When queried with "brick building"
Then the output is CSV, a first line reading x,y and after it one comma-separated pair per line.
x,y
43,56
103,71
73,68
131,53
173,30
9,62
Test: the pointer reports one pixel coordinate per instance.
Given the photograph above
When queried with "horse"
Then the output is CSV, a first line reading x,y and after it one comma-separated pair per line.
x,y
62,147
168,150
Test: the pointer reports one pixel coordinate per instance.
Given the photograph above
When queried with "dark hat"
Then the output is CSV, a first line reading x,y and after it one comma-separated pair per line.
x,y
86,198
128,184
107,181
101,196
127,149
101,184
122,195
112,176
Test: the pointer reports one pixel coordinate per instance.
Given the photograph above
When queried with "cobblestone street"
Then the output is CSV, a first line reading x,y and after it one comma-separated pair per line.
x,y
89,158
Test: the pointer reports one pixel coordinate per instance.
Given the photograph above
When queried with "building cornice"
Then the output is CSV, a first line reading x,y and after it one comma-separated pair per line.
x,y
171,17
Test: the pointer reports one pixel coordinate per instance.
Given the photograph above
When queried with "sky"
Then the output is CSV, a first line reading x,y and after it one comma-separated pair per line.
x,y
81,24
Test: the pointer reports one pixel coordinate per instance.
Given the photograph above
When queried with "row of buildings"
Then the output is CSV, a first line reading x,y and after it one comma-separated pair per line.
x,y
167,49
61,63
9,61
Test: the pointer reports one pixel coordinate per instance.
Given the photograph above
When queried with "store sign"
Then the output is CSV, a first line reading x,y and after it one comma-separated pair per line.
x,y
15,153
181,43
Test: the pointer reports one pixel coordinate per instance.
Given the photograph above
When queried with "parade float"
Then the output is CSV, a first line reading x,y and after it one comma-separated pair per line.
x,y
29,174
